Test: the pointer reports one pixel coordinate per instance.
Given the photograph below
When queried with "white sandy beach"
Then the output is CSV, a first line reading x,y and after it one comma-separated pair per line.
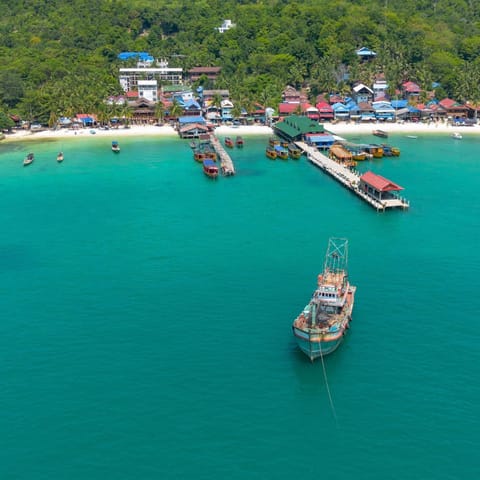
x,y
166,130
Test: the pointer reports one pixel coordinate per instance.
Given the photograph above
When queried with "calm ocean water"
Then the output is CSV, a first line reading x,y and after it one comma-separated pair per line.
x,y
147,314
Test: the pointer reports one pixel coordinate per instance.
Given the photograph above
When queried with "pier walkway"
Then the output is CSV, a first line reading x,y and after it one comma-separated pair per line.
x,y
226,163
348,178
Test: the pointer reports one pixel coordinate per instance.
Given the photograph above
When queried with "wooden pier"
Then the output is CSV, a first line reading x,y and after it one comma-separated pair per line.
x,y
226,163
349,178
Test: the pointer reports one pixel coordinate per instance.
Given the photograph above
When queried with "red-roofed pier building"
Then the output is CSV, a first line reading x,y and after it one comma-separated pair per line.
x,y
382,190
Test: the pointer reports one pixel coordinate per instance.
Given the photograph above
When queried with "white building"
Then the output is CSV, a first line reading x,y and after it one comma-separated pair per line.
x,y
148,89
226,25
130,77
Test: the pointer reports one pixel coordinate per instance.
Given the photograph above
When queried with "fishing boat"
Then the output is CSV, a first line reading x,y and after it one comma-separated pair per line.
x,y
380,133
229,142
271,152
281,152
60,157
210,169
115,147
28,159
321,326
294,151
239,141
456,136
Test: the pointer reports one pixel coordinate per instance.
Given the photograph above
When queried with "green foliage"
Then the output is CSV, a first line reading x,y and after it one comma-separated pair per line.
x,y
60,58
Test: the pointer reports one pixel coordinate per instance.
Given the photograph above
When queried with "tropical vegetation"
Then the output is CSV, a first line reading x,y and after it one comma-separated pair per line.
x,y
60,57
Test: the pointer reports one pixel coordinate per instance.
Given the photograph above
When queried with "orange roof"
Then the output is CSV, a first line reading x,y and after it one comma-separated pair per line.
x,y
379,183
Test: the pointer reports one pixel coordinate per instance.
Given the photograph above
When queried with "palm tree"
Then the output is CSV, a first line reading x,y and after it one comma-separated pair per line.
x,y
160,111
176,110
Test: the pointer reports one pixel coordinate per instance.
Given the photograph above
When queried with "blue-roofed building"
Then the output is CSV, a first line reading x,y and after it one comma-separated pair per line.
x,y
340,111
383,111
365,53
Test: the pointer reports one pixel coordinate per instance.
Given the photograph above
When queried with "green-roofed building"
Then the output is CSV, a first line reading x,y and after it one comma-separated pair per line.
x,y
296,128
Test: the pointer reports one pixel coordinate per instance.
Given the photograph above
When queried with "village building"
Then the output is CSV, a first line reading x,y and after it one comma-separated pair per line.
x,y
362,93
148,89
225,26
195,73
365,54
162,73
302,128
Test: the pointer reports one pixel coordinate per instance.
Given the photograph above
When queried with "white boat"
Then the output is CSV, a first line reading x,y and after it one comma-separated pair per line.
x,y
456,136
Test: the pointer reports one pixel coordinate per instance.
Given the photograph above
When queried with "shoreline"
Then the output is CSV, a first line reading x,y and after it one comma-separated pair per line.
x,y
341,128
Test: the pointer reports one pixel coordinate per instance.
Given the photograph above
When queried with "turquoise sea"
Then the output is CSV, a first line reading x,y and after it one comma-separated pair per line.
x,y
147,310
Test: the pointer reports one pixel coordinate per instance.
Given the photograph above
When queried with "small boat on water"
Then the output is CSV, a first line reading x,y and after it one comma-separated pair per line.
x,y
376,151
193,144
28,159
271,152
239,141
229,142
389,151
210,169
281,152
60,157
321,326
115,147
204,151
412,136
294,151
456,135
273,141
380,133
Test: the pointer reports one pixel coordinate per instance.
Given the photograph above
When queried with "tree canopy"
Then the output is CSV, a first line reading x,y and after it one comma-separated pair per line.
x,y
61,57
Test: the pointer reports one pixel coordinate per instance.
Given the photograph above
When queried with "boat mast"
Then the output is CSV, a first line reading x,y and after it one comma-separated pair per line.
x,y
337,255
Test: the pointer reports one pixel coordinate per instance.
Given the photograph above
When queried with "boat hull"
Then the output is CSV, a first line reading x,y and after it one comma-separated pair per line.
x,y
315,345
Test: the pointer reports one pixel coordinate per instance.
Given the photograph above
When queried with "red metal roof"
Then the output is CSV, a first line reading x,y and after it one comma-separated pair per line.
x,y
379,183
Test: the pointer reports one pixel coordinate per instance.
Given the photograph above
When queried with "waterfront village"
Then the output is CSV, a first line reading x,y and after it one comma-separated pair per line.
x,y
152,83
155,93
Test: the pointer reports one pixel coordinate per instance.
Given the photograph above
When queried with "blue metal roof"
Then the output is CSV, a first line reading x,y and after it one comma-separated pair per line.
x,y
144,56
399,103
209,163
191,119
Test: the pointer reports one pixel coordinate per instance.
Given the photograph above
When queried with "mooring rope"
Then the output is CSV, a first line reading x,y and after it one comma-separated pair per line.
x,y
332,406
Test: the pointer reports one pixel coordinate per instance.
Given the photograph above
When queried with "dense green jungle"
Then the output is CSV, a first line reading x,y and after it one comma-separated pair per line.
x,y
60,58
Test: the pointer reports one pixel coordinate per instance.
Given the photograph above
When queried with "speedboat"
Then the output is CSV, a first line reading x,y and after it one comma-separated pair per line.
x,y
456,136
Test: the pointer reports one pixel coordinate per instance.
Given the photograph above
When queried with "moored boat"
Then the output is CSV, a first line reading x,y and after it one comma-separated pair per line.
x,y
210,169
229,142
389,151
376,151
28,159
115,147
294,151
239,141
456,136
60,157
281,152
271,152
273,141
204,151
380,133
321,326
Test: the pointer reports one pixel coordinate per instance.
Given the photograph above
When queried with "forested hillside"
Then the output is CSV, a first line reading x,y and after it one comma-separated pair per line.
x,y
59,57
